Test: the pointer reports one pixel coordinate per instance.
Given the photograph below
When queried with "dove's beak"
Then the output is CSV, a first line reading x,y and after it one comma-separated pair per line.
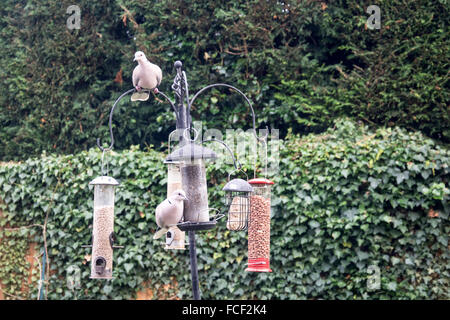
x,y
134,59
185,198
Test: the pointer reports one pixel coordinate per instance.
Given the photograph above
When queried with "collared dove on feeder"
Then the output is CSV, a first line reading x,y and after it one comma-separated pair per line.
x,y
169,212
146,75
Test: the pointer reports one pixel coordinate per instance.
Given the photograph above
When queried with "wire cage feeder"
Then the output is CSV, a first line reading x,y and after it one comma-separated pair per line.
x,y
238,202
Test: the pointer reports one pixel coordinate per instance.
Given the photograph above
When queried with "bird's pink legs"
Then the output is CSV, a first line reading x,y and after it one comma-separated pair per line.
x,y
138,88
156,91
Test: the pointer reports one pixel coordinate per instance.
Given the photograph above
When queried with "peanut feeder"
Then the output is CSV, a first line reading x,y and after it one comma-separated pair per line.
x,y
103,227
259,229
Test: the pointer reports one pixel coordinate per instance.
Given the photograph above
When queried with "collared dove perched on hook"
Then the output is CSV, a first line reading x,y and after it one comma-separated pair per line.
x,y
146,75
169,212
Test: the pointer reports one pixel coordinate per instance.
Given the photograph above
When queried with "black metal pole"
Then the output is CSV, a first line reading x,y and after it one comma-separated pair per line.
x,y
179,89
183,122
193,263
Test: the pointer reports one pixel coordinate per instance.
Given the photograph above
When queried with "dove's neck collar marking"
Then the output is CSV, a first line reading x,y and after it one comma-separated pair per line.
x,y
169,201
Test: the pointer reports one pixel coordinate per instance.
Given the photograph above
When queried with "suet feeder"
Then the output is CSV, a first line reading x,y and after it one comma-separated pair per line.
x,y
238,197
259,229
193,180
103,229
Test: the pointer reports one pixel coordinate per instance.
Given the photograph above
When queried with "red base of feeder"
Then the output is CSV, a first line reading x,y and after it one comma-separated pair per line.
x,y
258,265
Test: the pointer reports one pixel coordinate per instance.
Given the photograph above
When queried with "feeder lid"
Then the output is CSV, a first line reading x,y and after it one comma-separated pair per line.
x,y
260,181
238,185
104,180
191,152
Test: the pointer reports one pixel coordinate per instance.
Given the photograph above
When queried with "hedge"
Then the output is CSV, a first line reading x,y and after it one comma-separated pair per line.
x,y
345,204
303,63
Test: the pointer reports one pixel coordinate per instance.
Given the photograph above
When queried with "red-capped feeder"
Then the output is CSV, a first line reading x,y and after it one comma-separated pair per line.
x,y
259,228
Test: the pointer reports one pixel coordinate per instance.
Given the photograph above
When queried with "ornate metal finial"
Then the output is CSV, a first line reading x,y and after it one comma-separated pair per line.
x,y
177,86
178,64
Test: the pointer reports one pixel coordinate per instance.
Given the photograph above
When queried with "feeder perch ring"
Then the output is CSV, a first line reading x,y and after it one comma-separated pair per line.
x,y
198,226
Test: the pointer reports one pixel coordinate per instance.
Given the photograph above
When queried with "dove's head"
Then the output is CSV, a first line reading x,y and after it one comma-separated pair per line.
x,y
178,195
139,56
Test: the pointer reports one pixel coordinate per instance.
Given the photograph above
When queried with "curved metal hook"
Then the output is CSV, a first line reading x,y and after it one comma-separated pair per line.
x,y
111,114
110,121
246,99
170,101
229,150
237,169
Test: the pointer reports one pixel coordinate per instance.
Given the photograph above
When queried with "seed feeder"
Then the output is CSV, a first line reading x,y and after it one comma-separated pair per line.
x,y
193,181
238,196
175,238
103,229
259,229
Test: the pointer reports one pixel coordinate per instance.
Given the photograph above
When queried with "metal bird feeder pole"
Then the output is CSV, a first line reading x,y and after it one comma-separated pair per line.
x,y
190,159
193,171
192,174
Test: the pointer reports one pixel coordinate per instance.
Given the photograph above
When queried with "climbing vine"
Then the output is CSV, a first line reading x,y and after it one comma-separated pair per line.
x,y
15,278
345,203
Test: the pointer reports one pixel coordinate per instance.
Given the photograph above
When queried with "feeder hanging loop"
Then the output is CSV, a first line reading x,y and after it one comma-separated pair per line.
x,y
229,150
110,121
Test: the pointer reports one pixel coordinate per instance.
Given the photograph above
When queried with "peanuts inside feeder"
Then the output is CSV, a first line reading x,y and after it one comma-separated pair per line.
x,y
259,229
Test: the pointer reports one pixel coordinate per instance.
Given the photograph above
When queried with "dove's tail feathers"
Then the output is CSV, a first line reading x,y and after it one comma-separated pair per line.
x,y
160,233
140,96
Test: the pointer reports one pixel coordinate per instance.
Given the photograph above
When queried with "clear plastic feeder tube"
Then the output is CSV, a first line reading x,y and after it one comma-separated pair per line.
x,y
103,228
259,229
173,177
194,184
175,238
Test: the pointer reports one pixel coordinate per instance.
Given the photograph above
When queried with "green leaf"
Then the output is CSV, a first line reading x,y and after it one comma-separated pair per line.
x,y
128,267
392,286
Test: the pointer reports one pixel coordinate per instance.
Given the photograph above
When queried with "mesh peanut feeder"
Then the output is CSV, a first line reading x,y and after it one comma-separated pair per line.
x,y
259,229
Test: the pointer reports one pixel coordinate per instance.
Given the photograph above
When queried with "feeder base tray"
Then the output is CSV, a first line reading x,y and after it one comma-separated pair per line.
x,y
196,226
258,265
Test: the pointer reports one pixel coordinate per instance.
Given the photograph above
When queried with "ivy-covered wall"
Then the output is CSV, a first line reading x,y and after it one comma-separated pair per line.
x,y
347,205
